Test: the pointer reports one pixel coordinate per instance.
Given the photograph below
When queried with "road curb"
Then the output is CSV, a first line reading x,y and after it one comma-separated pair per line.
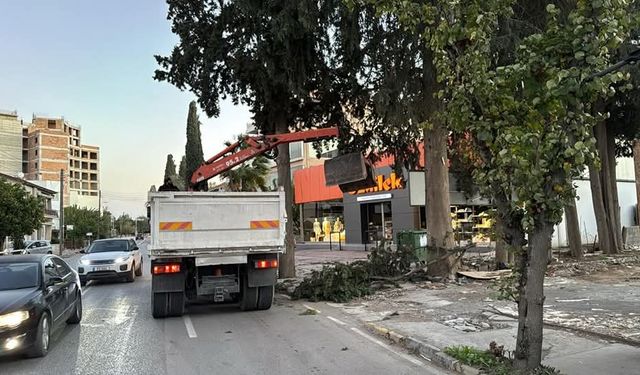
x,y
429,351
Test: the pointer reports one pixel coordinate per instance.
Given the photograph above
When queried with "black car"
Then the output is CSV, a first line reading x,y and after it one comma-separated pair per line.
x,y
38,293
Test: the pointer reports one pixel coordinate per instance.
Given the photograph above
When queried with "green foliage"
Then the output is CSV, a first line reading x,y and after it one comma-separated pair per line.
x,y
337,282
342,282
385,262
182,174
492,361
506,287
194,156
170,169
250,175
86,221
125,225
20,212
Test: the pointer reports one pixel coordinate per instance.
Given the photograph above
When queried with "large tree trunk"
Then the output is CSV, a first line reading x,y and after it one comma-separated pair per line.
x,y
533,265
438,207
613,186
636,168
283,161
502,254
605,240
609,187
573,230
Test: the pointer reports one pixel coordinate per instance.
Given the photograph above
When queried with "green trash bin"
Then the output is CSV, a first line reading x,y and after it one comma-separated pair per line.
x,y
416,240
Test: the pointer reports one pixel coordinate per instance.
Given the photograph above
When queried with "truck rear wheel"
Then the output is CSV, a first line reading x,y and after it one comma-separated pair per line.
x,y
265,297
168,304
249,299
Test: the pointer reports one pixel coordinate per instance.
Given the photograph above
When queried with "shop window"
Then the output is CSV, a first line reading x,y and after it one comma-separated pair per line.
x,y
295,150
322,221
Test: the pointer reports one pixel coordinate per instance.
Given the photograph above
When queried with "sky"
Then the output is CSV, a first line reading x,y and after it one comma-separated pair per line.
x,y
92,62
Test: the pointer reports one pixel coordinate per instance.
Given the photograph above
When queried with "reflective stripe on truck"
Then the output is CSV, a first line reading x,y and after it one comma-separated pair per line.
x,y
265,224
175,225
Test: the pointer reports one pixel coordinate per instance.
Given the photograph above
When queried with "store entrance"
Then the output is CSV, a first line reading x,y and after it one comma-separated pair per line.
x,y
376,219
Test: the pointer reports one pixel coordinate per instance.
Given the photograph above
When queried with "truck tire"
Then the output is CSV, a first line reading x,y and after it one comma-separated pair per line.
x,y
167,304
160,302
265,297
249,299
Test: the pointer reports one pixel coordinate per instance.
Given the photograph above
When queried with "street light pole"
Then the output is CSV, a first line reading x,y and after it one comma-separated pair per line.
x,y
61,218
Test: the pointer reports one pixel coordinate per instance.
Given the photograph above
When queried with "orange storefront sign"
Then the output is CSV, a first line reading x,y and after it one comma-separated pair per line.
x,y
393,182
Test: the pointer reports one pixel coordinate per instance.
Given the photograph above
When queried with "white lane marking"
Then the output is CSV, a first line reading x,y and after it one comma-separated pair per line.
x,y
336,320
189,324
376,341
311,308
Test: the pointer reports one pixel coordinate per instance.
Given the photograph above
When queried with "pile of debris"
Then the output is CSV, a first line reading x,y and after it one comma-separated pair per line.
x,y
593,263
466,324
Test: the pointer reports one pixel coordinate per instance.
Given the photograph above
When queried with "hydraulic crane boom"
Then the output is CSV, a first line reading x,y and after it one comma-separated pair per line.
x,y
235,155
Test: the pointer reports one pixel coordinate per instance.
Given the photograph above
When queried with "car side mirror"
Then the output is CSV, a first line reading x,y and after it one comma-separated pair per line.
x,y
53,280
135,248
82,251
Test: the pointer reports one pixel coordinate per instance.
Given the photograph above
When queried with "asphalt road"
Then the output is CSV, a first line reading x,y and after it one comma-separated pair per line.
x,y
118,336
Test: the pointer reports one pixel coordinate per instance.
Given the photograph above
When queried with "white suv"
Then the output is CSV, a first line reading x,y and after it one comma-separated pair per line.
x,y
114,258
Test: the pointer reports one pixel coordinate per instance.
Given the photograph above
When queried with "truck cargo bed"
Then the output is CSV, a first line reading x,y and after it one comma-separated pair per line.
x,y
216,223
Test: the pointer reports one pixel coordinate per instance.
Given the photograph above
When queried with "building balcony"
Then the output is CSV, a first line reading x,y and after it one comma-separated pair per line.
x,y
50,213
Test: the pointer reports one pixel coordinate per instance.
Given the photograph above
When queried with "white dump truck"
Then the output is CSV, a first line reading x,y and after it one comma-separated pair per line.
x,y
215,247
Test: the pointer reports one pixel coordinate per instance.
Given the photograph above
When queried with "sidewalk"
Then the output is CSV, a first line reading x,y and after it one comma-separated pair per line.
x,y
429,317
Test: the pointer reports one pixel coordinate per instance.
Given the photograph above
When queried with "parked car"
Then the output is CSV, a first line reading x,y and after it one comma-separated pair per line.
x,y
34,247
38,294
115,258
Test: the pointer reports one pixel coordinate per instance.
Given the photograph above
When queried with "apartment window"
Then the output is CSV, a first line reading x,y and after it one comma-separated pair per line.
x,y
35,165
94,166
51,124
35,139
85,186
93,155
85,176
94,186
94,177
85,165
36,152
85,154
93,193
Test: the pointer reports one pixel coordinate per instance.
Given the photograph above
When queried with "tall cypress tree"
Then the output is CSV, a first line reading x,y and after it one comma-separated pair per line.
x,y
193,154
182,173
170,168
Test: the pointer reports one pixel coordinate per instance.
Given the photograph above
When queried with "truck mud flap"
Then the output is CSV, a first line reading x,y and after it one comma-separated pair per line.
x,y
168,283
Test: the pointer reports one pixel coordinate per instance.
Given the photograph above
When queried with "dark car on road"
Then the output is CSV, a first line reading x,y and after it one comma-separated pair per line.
x,y
38,294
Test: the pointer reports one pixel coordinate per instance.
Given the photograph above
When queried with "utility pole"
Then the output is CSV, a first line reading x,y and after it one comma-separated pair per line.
x,y
61,221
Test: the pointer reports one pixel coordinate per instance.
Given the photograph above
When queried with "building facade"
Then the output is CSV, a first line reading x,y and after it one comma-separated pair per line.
x,y
54,144
10,143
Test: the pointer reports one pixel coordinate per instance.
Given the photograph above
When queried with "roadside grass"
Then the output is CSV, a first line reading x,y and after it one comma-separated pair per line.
x,y
492,361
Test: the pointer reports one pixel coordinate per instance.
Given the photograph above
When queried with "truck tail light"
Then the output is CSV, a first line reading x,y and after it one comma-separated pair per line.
x,y
159,269
262,264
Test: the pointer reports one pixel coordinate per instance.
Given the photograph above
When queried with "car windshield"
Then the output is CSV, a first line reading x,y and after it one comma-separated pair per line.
x,y
18,275
107,246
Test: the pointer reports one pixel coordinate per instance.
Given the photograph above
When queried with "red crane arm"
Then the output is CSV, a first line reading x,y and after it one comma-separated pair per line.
x,y
233,155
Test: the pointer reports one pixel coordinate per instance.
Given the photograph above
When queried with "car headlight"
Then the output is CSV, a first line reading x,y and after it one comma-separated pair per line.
x,y
13,319
85,261
122,259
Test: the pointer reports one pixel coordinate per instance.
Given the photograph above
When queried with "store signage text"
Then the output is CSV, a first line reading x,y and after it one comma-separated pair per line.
x,y
392,182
